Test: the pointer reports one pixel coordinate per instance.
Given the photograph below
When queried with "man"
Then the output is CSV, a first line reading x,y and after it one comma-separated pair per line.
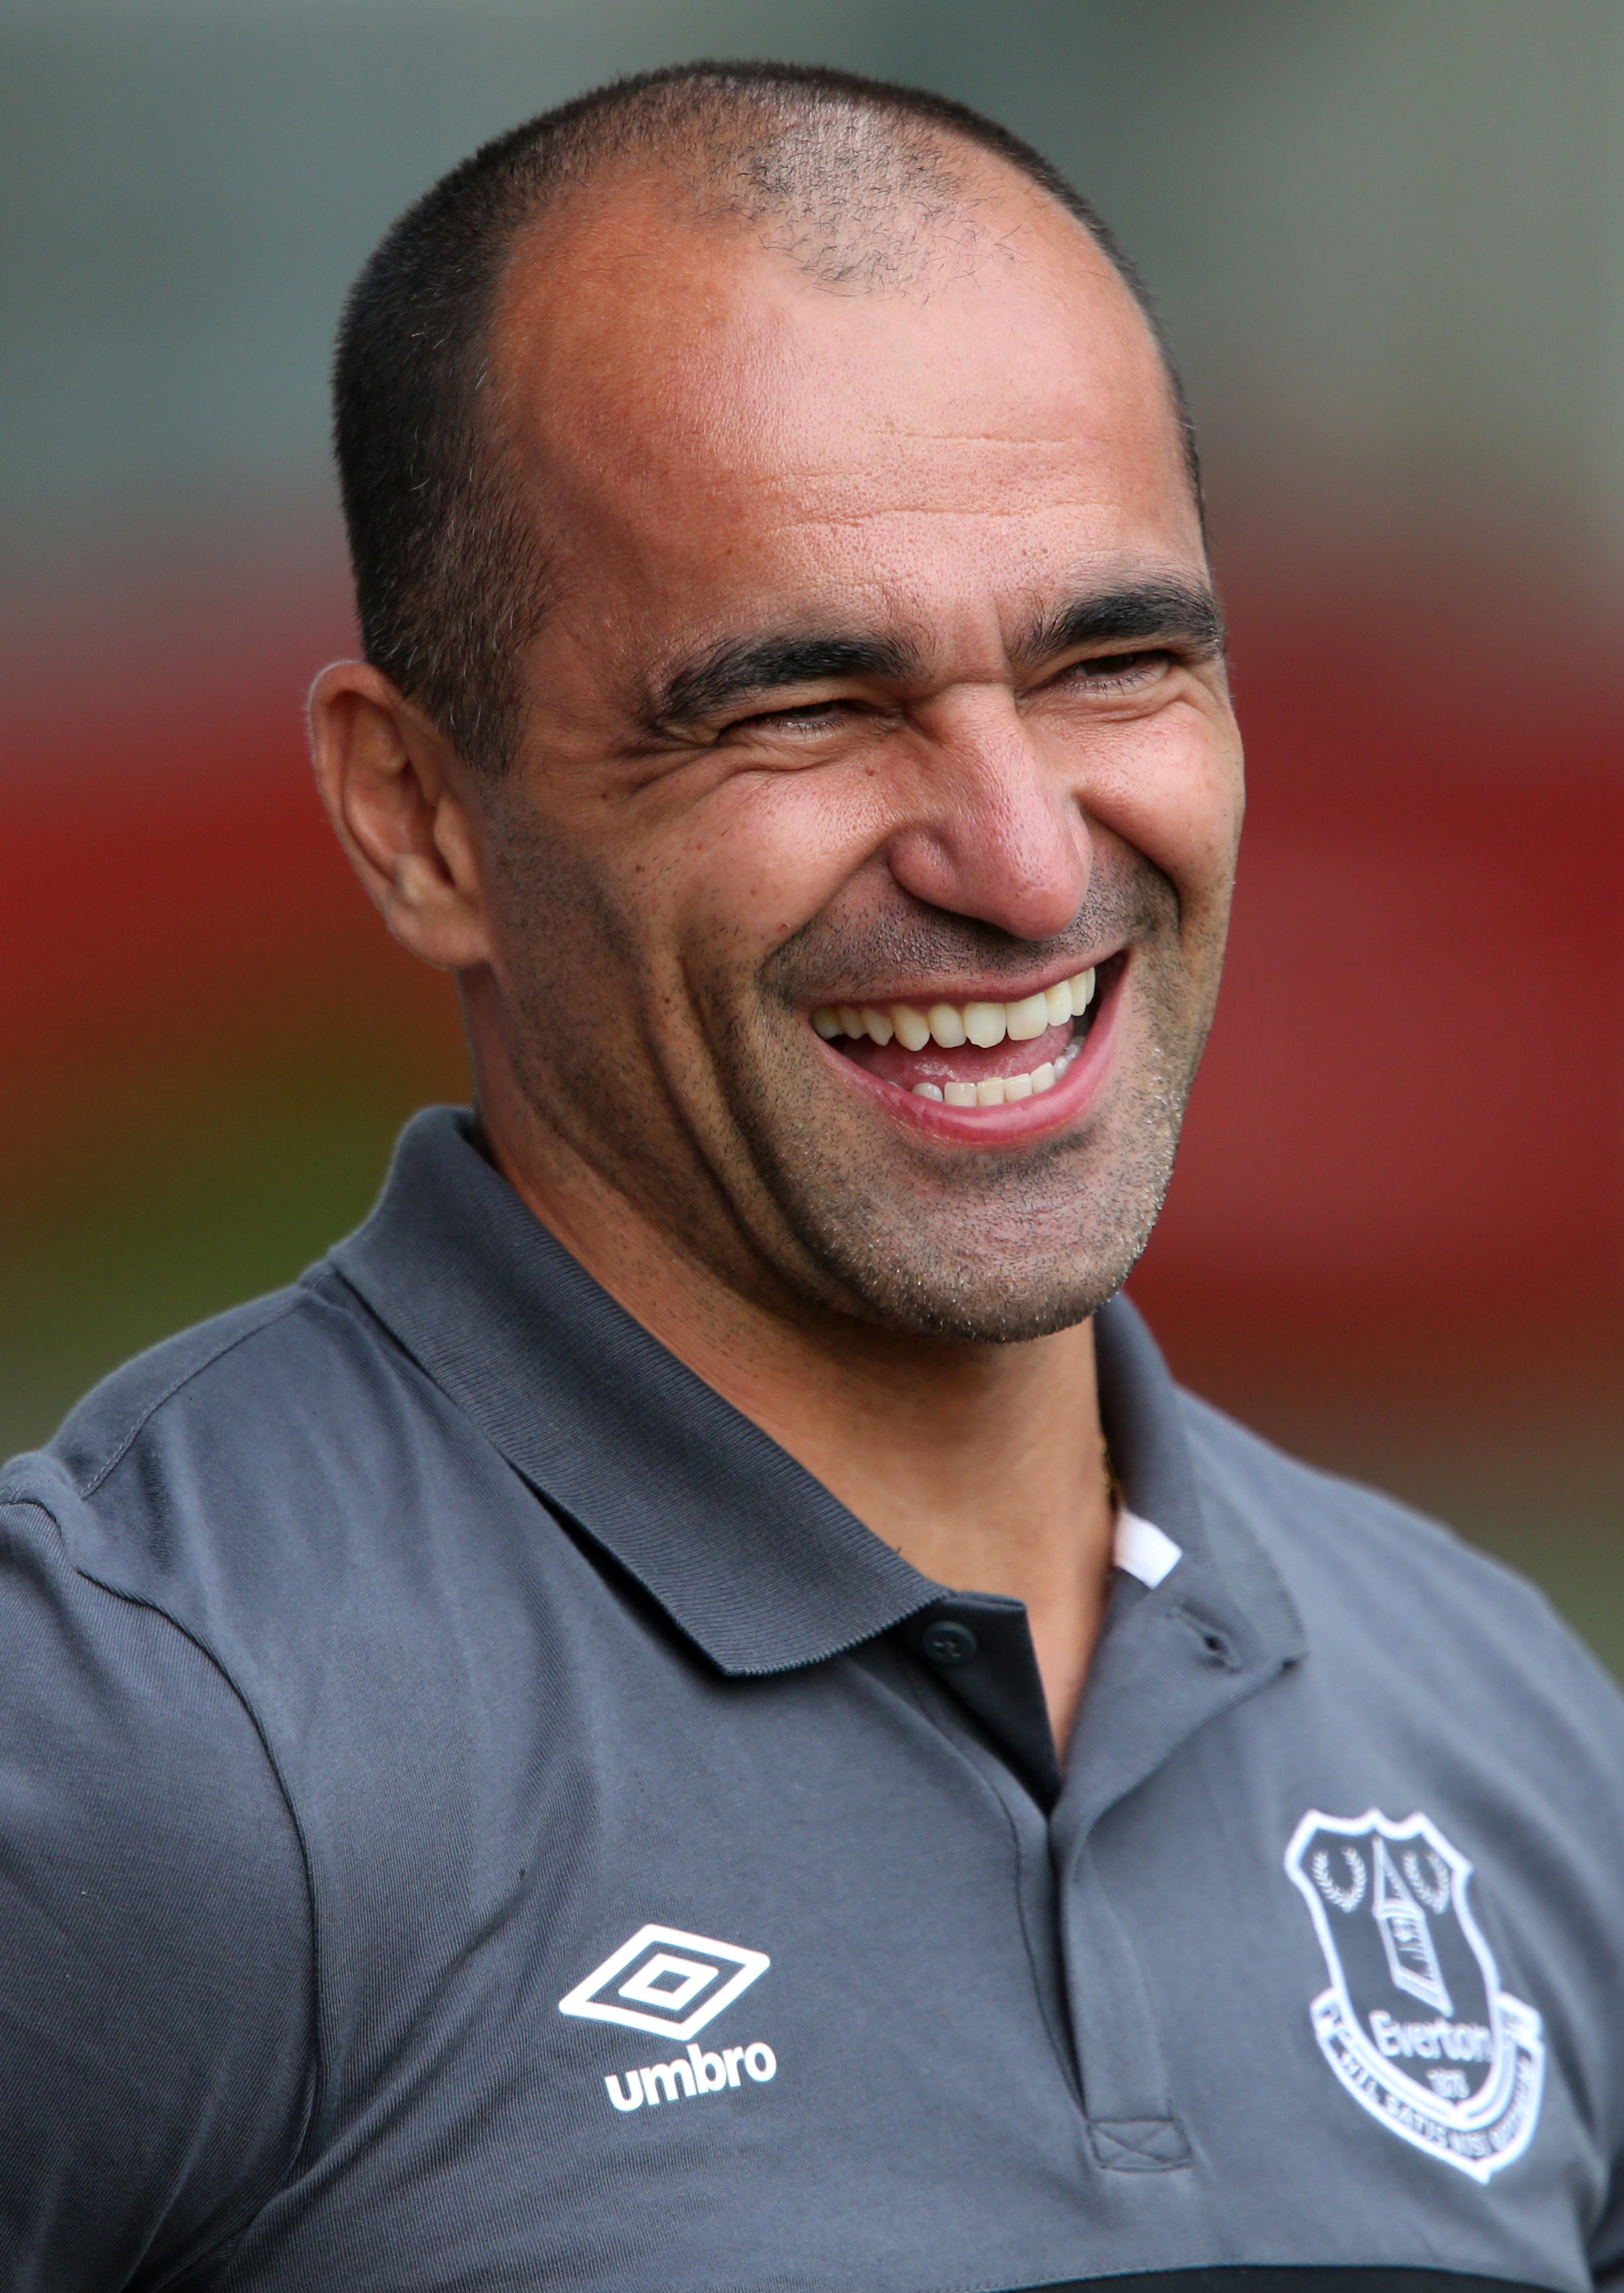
x,y
692,1709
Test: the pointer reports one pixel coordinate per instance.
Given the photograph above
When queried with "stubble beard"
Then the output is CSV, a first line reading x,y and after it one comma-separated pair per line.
x,y
929,1240
990,1247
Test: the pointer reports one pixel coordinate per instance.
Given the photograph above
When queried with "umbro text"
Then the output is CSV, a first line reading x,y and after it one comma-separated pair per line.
x,y
698,2073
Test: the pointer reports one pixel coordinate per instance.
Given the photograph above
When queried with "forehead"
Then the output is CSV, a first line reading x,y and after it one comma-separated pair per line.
x,y
704,421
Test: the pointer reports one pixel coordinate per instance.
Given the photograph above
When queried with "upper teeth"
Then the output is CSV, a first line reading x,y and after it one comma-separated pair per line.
x,y
953,1024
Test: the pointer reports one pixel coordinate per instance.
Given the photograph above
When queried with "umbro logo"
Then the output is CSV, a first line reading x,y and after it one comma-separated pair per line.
x,y
665,1982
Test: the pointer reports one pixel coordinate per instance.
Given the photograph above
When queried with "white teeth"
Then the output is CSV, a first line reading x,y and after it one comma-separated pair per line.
x,y
1027,1019
1000,1090
953,1024
985,1024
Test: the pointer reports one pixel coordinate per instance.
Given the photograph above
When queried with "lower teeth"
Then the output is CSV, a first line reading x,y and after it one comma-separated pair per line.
x,y
1001,1091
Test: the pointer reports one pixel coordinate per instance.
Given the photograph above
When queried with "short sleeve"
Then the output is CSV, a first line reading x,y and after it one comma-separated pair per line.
x,y
156,1981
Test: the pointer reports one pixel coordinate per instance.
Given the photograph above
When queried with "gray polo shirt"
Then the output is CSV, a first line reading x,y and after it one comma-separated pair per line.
x,y
477,1815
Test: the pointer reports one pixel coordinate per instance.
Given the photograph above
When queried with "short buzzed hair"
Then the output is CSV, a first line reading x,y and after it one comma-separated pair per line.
x,y
853,176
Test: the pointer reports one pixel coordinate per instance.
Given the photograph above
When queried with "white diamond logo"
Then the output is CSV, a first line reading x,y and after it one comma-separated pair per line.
x,y
665,1982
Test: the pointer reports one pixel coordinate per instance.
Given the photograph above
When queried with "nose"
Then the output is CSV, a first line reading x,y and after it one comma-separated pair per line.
x,y
995,830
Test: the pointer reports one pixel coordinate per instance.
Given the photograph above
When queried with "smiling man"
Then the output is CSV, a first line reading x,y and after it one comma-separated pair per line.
x,y
692,1709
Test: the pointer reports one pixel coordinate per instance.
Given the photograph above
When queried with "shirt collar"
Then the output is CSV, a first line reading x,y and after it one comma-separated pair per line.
x,y
752,1558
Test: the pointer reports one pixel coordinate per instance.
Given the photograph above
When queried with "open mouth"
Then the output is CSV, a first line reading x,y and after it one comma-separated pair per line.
x,y
974,1055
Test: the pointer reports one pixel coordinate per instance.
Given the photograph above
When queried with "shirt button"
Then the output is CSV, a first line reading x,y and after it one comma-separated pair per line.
x,y
947,1643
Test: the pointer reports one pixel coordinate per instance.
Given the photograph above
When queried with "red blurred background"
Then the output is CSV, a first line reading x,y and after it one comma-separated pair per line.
x,y
1396,1234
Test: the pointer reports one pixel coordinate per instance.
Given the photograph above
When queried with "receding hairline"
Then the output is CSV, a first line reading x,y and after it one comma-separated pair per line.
x,y
939,248
964,215
743,156
451,576
943,175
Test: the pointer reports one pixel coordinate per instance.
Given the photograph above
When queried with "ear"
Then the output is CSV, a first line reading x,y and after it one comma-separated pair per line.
x,y
391,790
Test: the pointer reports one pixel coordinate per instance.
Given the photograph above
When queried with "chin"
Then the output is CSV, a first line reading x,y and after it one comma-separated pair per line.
x,y
983,1248
916,1276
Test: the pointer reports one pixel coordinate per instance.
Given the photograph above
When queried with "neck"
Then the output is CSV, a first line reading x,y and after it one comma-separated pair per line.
x,y
982,1466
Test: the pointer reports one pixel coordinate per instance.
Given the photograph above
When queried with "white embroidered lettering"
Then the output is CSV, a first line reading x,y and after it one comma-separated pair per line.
x,y
667,2076
1462,2042
687,2079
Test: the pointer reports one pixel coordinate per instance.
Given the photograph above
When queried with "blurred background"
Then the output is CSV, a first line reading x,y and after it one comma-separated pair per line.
x,y
1389,242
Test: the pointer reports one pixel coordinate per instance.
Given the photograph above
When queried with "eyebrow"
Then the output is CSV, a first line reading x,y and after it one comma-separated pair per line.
x,y
744,669
1140,612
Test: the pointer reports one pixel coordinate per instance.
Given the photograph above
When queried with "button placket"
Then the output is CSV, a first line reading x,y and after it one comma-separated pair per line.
x,y
1131,2121
1186,1653
1183,1652
1036,1875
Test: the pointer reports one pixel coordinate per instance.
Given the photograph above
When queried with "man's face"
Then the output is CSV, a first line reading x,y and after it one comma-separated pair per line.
x,y
879,679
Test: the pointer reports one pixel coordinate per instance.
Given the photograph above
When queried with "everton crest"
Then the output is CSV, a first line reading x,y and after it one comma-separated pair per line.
x,y
1415,2023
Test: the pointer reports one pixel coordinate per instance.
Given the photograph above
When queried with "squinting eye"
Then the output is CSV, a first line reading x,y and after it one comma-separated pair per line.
x,y
1117,667
817,717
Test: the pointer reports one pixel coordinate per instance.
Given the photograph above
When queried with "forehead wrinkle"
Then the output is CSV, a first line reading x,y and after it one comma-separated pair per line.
x,y
898,454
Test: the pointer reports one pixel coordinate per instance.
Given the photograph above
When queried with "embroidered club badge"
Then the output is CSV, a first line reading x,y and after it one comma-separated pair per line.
x,y
1415,2023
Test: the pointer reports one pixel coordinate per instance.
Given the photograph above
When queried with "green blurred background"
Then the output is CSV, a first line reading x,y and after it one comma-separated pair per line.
x,y
1389,242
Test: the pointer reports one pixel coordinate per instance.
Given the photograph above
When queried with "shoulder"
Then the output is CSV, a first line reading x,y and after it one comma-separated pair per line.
x,y
145,1555
283,1351
104,1617
213,1459
110,1699
155,1926
1384,1590
288,1491
160,1871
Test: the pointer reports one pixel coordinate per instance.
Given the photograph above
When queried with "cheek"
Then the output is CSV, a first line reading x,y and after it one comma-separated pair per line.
x,y
576,925
1171,789
772,852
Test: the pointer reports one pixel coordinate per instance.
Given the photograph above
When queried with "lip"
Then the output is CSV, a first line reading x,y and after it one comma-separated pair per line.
x,y
1000,1126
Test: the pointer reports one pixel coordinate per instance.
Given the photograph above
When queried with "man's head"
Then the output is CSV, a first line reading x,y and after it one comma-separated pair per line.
x,y
783,584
